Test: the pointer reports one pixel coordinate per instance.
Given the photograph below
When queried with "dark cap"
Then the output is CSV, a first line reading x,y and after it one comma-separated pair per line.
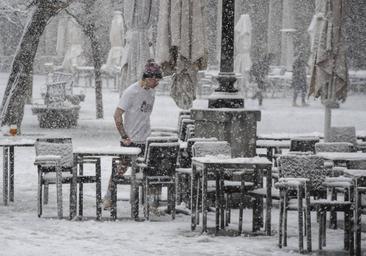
x,y
152,69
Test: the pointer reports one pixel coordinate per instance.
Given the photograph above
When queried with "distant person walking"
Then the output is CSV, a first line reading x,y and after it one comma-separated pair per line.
x,y
135,104
299,81
258,73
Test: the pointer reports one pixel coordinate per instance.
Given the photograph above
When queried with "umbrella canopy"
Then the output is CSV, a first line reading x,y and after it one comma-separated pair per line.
x,y
139,16
243,39
181,46
117,38
74,55
329,74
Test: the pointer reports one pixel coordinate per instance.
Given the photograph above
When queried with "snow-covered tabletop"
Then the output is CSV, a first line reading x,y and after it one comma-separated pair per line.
x,y
107,150
225,160
343,156
357,173
273,143
17,141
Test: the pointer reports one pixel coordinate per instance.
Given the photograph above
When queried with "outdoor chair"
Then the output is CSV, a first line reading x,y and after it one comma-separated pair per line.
x,y
230,186
300,177
333,205
335,170
346,134
126,178
55,163
359,181
54,160
158,171
184,171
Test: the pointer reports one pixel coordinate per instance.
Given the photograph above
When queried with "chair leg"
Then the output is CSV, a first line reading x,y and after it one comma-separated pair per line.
x,y
320,238
358,222
179,186
347,230
39,193
147,200
98,190
333,213
193,201
59,192
325,228
45,193
199,201
300,219
280,221
285,219
81,188
308,218
227,209
173,200
113,197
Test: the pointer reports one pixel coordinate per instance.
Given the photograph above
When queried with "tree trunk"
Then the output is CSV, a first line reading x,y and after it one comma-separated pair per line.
x,y
96,53
19,85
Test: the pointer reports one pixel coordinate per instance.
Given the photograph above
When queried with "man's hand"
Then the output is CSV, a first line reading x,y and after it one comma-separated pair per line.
x,y
126,141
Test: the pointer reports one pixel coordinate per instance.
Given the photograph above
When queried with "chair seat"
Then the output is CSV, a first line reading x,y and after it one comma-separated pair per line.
x,y
125,179
184,171
262,192
51,177
292,205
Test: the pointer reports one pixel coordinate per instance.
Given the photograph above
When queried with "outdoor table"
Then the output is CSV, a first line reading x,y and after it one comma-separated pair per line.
x,y
8,143
343,157
216,165
112,151
273,146
359,180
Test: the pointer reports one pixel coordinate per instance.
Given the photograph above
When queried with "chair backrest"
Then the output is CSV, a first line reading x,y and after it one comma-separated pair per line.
x,y
189,132
304,166
343,134
213,148
56,92
162,158
334,147
183,128
56,146
304,143
61,76
182,116
158,139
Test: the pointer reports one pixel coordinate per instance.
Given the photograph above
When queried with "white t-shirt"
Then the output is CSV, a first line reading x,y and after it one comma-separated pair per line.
x,y
137,103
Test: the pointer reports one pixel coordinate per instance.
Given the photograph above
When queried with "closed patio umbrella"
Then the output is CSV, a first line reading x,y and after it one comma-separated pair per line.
x,y
181,46
117,38
243,41
74,55
139,16
329,74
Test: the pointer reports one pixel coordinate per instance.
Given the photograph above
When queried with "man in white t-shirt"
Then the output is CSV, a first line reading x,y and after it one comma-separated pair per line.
x,y
135,105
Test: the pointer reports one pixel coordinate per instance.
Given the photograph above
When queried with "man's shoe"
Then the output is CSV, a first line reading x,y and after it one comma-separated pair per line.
x,y
107,204
304,104
294,104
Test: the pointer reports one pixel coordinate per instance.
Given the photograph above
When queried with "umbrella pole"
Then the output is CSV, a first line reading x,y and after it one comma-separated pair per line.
x,y
327,122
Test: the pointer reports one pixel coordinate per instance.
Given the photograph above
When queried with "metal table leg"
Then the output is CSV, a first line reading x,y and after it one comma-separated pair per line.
x,y
5,175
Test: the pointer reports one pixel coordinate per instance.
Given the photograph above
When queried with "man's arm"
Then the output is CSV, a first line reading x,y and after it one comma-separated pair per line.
x,y
118,120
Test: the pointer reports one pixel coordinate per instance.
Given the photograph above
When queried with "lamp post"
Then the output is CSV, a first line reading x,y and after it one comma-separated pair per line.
x,y
226,95
225,118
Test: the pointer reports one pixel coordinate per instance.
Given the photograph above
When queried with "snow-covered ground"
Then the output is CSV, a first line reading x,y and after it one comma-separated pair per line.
x,y
23,233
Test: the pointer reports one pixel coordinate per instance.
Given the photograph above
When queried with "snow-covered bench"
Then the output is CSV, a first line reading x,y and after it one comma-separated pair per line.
x,y
57,111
